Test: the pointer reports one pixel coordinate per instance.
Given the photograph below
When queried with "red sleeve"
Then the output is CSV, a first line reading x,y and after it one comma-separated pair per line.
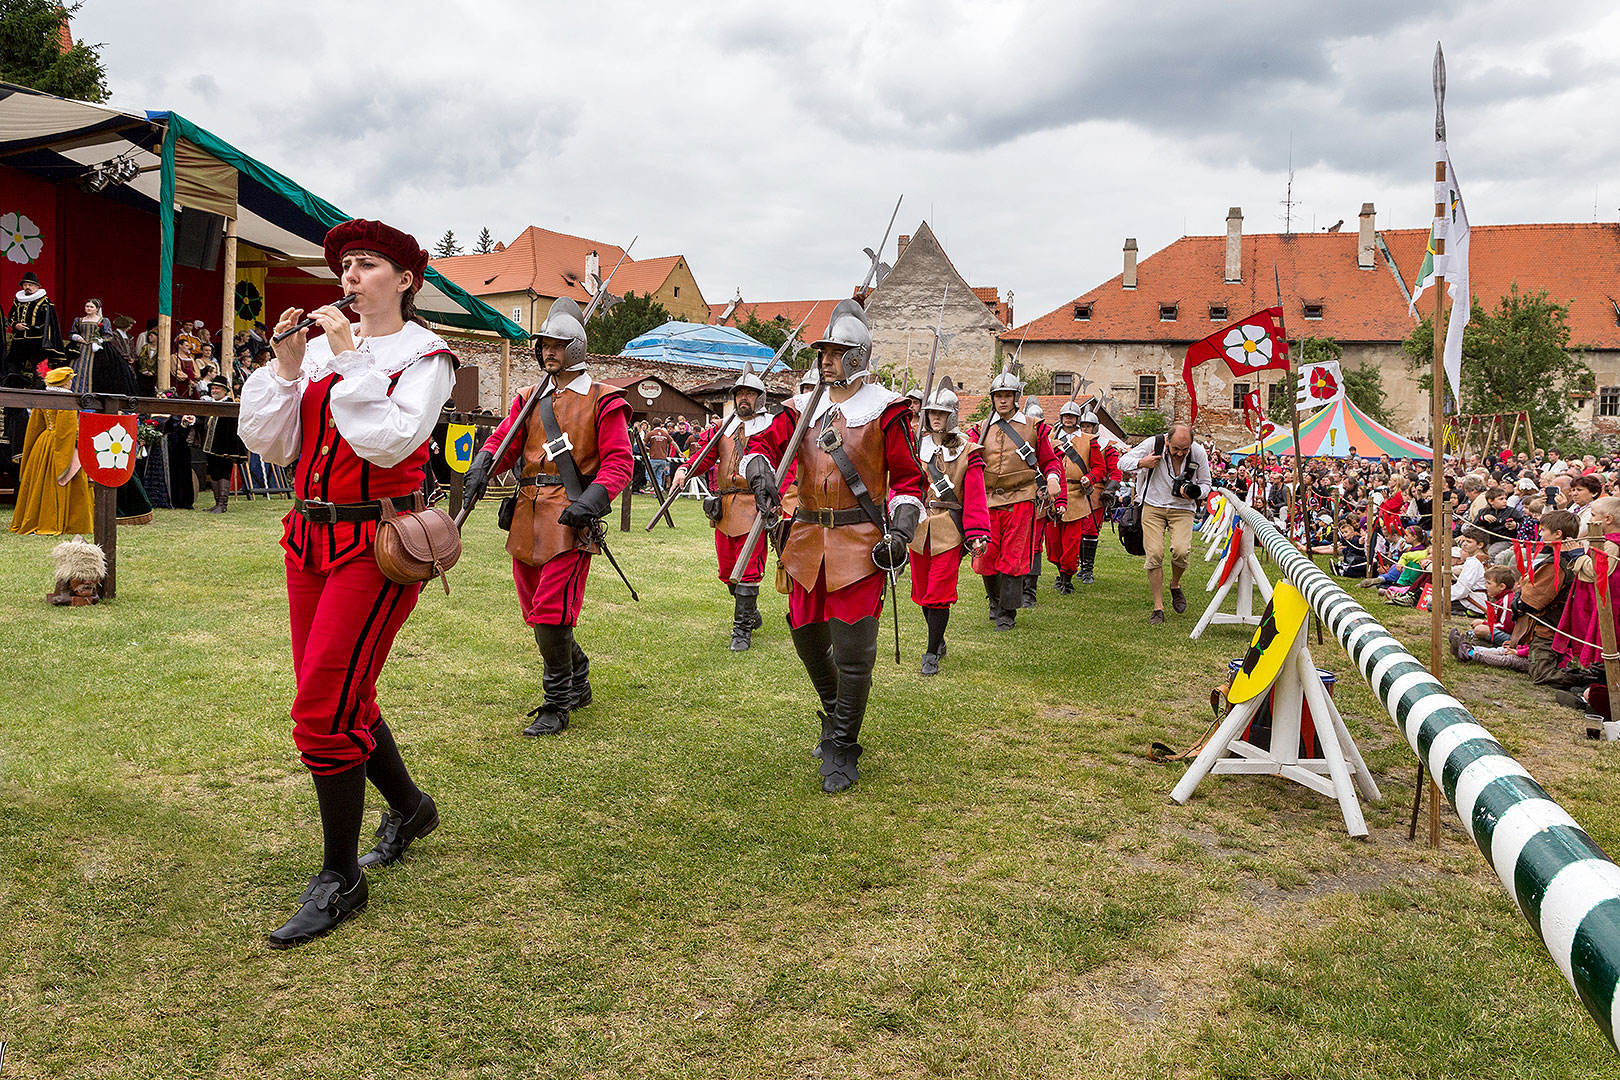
x,y
774,438
493,443
613,445
701,458
1046,456
1108,468
905,477
975,505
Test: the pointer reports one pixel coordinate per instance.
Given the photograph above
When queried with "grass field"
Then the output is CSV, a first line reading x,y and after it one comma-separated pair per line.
x,y
665,891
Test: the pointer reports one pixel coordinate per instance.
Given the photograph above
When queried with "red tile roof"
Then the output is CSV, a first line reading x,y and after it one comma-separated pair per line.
x,y
992,299
552,264
1575,263
792,310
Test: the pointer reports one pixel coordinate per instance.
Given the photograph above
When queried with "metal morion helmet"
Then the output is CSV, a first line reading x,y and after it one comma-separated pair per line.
x,y
944,400
807,380
1071,408
915,394
847,327
1090,417
564,322
1007,381
748,380
1032,408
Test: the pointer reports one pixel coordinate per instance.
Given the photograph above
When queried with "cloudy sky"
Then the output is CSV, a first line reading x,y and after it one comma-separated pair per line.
x,y
768,142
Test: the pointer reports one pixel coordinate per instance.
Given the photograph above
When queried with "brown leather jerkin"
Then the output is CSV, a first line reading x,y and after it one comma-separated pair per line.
x,y
1007,479
536,535
844,550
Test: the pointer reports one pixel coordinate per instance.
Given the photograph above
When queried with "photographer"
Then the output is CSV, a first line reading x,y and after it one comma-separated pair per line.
x,y
1176,478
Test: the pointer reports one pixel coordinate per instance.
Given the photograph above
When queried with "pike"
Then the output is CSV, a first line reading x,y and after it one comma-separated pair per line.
x,y
658,489
545,386
731,420
933,357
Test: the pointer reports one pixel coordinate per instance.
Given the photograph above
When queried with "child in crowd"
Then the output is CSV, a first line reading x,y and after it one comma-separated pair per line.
x,y
1468,595
1540,602
1495,628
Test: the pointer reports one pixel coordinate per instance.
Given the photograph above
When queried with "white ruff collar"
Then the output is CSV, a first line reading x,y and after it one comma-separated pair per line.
x,y
862,407
928,448
25,297
389,354
756,424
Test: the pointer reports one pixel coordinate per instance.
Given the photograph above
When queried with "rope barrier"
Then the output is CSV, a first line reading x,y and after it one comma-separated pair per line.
x,y
1563,883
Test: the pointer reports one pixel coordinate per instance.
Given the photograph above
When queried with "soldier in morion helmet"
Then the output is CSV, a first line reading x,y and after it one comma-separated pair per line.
x,y
953,472
730,506
574,457
860,498
1019,463
1088,466
1043,508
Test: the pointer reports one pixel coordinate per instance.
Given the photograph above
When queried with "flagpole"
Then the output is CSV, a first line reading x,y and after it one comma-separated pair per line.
x,y
1440,535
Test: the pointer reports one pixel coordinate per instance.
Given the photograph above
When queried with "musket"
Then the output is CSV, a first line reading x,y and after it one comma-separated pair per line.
x,y
658,489
726,426
544,387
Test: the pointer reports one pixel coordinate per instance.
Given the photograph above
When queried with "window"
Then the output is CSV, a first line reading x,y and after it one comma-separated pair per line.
x,y
1240,390
677,292
1313,311
1082,312
1147,391
517,315
1167,312
1062,382
1609,401
1276,394
1217,313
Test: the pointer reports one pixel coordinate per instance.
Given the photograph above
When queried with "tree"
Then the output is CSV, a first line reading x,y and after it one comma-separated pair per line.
x,y
1364,385
1515,359
446,246
773,332
486,243
625,321
31,52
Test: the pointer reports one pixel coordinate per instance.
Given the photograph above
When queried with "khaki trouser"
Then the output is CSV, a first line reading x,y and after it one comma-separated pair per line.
x,y
1155,520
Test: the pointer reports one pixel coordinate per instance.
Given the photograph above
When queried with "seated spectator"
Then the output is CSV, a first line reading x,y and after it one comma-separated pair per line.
x,y
1468,594
1494,628
1539,606
1352,550
1582,490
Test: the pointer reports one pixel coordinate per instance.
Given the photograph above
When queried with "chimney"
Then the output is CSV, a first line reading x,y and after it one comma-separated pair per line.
x,y
900,245
1129,280
1234,244
1364,245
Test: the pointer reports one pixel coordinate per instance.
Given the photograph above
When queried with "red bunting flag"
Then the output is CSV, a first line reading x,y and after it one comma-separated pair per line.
x,y
1257,343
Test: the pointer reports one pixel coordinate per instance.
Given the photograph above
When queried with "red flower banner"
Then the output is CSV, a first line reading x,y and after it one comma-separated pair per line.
x,y
1257,343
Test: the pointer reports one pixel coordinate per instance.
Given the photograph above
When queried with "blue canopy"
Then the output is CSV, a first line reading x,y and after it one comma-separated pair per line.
x,y
720,347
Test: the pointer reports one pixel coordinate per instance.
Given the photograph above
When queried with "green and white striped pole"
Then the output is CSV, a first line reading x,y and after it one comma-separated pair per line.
x,y
1563,883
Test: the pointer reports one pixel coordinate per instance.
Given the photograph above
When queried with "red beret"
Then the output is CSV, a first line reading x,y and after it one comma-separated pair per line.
x,y
363,235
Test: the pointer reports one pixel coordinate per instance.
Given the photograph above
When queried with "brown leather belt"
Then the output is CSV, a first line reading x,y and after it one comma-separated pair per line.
x,y
541,480
830,519
325,513
935,504
731,491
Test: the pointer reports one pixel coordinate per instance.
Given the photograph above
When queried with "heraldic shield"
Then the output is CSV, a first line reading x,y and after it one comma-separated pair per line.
x,y
459,446
107,447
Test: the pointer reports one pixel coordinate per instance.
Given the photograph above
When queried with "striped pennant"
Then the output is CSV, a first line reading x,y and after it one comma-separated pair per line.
x,y
1562,882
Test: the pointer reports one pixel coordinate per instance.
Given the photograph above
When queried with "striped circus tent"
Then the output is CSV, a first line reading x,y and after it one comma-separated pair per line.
x,y
1340,430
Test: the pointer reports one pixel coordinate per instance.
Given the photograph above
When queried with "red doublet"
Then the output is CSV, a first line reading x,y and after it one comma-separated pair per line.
x,y
343,612
864,597
1063,537
934,573
553,593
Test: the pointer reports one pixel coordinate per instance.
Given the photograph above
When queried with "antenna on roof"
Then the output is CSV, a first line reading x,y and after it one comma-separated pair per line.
x,y
1289,202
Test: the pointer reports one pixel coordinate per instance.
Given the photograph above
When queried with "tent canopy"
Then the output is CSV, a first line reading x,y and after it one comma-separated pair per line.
x,y
723,347
183,165
1340,430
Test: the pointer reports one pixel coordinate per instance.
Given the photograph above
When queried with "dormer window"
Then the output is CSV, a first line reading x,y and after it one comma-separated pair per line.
x,y
1313,310
1082,313
1167,312
1217,313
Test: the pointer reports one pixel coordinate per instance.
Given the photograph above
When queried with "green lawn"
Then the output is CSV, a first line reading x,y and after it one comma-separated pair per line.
x,y
665,891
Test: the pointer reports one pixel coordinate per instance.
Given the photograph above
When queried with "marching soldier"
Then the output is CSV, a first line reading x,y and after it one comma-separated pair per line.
x,y
1043,515
859,504
730,506
574,452
1088,467
1020,467
957,517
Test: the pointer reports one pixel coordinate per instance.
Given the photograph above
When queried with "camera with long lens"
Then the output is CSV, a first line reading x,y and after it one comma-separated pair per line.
x,y
1186,486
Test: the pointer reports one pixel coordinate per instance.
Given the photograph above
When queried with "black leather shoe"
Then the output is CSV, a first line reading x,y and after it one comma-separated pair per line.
x,y
1178,600
324,904
838,770
547,721
395,833
1157,617
930,664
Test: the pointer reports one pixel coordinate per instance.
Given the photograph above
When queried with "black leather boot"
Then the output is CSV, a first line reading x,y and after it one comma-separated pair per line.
x,y
557,652
992,593
814,645
221,496
1012,594
854,652
1088,560
744,616
582,676
1065,584
1032,580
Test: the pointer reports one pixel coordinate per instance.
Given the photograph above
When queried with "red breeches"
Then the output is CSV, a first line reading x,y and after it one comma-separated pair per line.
x,y
726,550
343,624
850,604
553,594
1013,538
933,577
1063,544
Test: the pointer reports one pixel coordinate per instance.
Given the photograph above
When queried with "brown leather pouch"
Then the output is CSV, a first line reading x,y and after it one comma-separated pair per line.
x,y
418,546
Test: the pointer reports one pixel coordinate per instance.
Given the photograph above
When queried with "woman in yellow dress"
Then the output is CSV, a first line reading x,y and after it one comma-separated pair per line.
x,y
53,493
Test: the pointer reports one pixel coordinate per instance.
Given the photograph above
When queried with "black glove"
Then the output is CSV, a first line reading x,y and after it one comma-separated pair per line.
x,y
592,505
762,481
477,481
889,553
712,507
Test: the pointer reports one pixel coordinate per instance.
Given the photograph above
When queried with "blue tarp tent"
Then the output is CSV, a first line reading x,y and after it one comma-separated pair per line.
x,y
720,347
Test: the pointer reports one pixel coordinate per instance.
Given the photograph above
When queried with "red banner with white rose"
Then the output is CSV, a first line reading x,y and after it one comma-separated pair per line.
x,y
1257,343
107,447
